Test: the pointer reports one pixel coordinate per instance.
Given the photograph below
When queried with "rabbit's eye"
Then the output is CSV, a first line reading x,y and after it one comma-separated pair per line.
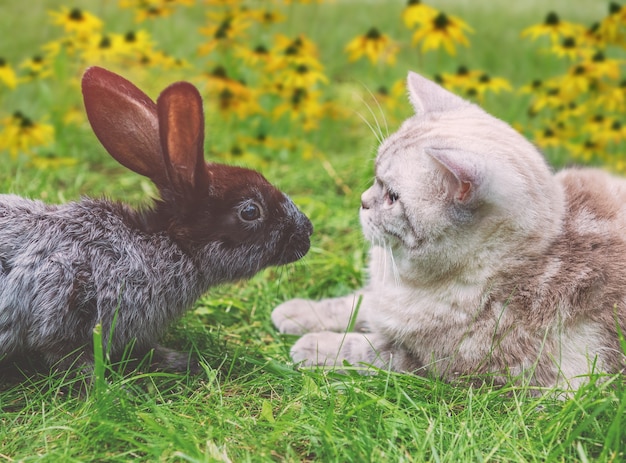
x,y
250,212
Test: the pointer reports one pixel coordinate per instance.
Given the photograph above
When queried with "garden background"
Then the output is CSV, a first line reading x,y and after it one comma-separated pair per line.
x,y
302,91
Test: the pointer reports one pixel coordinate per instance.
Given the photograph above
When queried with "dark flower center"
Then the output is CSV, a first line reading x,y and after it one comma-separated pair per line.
x,y
222,31
552,19
614,8
76,15
24,121
105,43
441,21
220,72
569,42
372,34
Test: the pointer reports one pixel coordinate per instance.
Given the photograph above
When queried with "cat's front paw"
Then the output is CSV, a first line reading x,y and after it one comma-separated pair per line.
x,y
334,349
318,349
297,316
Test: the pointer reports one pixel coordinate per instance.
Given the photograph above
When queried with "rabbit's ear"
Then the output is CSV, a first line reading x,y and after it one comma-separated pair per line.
x,y
125,121
181,128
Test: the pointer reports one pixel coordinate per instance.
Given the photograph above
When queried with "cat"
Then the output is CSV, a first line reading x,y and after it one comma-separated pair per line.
x,y
484,263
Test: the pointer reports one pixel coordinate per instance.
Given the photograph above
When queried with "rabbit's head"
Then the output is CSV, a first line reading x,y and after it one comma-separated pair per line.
x,y
202,204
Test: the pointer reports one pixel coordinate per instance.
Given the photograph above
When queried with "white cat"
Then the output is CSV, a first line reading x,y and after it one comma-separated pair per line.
x,y
483,261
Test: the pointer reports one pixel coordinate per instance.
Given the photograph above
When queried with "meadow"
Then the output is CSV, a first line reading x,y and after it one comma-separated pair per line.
x,y
301,91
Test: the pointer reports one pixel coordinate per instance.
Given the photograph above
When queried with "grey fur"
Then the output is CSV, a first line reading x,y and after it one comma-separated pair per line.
x,y
65,268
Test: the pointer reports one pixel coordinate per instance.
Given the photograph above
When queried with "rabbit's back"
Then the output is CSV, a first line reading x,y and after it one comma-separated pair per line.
x,y
65,268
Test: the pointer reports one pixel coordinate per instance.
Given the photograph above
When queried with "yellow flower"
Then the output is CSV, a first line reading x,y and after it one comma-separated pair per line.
x,y
76,22
553,27
570,47
37,67
301,104
587,150
548,96
301,76
486,83
599,66
159,58
232,96
21,135
374,45
223,30
7,74
608,130
611,28
416,13
461,81
293,52
152,9
576,82
265,17
442,30
535,86
103,48
591,37
243,103
139,42
217,80
222,2
611,97
549,137
252,57
473,83
68,45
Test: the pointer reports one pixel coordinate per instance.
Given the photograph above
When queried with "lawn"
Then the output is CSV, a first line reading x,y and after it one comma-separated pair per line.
x,y
316,139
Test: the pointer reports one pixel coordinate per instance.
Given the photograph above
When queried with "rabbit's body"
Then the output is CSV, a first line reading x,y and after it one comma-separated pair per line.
x,y
65,268
72,266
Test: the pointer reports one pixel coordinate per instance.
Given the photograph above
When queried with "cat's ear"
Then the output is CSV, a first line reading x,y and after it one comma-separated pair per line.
x,y
426,96
463,172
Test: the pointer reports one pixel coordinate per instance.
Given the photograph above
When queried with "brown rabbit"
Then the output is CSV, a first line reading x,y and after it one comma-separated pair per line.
x,y
65,268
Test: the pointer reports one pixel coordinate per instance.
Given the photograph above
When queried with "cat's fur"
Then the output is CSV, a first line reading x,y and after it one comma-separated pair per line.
x,y
483,261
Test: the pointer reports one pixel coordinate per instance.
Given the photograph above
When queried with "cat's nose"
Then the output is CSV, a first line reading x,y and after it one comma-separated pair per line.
x,y
364,203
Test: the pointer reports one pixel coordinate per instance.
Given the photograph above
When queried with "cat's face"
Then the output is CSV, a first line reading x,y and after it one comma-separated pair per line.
x,y
453,181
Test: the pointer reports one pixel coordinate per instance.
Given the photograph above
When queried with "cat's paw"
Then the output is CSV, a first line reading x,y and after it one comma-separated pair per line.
x,y
318,349
297,316
330,349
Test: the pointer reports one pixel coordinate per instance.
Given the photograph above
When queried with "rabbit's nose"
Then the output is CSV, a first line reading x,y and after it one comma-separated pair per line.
x,y
306,225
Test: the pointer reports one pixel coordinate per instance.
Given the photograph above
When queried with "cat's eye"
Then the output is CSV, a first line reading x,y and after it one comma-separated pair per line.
x,y
250,212
391,196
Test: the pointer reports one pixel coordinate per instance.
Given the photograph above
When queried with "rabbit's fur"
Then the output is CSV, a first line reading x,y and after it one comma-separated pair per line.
x,y
65,268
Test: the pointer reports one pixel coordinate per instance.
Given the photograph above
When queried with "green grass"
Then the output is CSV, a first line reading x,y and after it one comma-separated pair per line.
x,y
249,403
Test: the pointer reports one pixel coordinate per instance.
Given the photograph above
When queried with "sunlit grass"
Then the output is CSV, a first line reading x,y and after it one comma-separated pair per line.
x,y
249,404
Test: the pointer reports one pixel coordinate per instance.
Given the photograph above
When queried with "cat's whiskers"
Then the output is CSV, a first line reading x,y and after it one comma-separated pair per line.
x,y
379,136
382,113
394,266
377,130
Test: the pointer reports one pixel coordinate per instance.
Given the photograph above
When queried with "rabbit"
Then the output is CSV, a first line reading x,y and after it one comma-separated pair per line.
x,y
66,268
